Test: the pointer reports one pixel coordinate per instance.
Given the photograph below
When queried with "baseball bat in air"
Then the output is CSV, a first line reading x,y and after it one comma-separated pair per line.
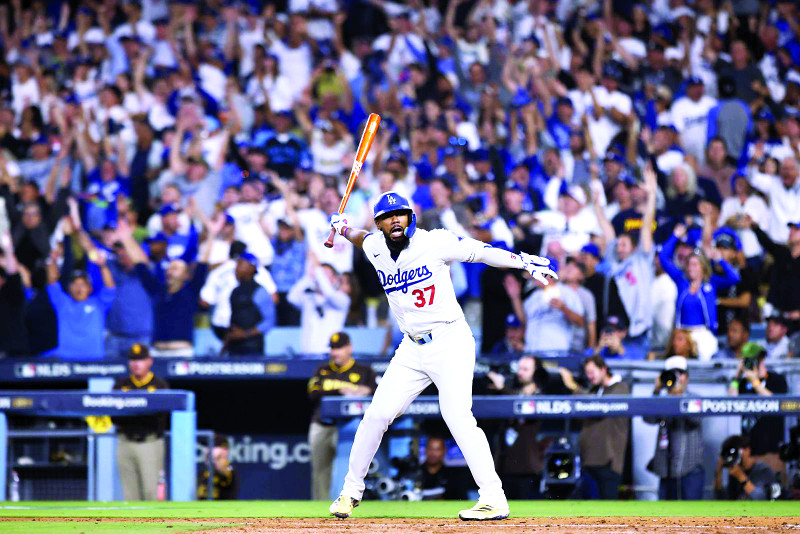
x,y
367,136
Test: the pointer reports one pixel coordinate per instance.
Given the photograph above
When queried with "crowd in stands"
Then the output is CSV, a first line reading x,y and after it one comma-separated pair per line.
x,y
164,158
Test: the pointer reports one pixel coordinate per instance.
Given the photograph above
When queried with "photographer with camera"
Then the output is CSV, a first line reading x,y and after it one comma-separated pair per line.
x,y
748,479
752,378
678,459
520,459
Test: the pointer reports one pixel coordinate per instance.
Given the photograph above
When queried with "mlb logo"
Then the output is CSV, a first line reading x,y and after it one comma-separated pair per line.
x,y
524,407
26,370
180,369
691,406
352,408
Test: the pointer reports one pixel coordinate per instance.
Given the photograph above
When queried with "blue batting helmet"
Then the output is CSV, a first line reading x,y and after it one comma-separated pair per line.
x,y
392,201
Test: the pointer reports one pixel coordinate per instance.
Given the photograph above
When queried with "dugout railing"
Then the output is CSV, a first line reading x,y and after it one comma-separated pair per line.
x,y
100,456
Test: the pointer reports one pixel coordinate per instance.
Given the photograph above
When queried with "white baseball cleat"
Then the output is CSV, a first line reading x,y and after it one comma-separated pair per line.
x,y
484,512
343,506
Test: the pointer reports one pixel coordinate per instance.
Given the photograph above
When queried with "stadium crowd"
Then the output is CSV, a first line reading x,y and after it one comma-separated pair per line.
x,y
163,158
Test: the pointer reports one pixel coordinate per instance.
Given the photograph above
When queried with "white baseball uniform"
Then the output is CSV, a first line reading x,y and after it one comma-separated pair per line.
x,y
437,347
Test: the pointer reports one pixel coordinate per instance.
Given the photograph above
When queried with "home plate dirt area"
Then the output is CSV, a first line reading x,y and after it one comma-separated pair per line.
x,y
593,525
560,525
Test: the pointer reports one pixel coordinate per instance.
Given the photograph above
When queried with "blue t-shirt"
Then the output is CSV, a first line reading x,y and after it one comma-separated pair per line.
x,y
81,325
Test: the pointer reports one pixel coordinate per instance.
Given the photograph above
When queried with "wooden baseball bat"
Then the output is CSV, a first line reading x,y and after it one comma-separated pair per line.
x,y
367,136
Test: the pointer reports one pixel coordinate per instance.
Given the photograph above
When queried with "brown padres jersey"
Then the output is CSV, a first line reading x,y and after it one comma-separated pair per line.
x,y
138,426
333,380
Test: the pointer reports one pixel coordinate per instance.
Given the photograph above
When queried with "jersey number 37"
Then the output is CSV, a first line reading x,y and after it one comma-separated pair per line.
x,y
420,294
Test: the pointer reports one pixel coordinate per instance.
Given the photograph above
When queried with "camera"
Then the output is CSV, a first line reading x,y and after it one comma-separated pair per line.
x,y
731,457
750,363
668,379
790,451
562,469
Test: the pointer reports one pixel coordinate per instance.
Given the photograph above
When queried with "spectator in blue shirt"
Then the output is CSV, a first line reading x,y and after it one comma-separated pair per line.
x,y
174,292
81,314
696,307
179,245
130,319
252,311
287,268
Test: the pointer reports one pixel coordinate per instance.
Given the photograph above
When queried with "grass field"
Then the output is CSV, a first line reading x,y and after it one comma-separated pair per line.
x,y
164,512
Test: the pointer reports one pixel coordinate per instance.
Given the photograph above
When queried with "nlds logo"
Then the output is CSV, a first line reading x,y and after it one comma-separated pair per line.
x,y
553,407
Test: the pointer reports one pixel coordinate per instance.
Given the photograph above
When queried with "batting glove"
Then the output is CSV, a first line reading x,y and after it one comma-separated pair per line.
x,y
339,222
538,267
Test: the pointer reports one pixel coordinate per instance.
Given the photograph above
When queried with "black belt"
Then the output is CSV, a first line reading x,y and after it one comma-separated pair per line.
x,y
141,438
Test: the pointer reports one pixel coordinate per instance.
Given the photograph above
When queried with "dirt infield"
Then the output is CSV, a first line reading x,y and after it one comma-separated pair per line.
x,y
560,525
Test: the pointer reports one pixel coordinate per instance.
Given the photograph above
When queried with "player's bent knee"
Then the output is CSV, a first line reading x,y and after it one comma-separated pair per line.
x,y
379,418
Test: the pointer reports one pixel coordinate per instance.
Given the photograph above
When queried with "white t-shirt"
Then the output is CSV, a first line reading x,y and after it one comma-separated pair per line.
x,y
317,227
219,285
690,118
295,64
757,209
318,28
247,217
408,48
603,130
323,310
24,95
784,204
328,159
546,328
248,39
278,90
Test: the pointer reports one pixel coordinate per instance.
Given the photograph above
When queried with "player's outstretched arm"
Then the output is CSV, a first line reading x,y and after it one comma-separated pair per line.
x,y
354,235
472,250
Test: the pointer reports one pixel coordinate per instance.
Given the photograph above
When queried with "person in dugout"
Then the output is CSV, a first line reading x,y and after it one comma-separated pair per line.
x,y
225,480
342,375
140,438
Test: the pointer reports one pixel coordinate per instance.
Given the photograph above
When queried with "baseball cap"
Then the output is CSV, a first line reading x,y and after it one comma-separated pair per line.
x,y
512,321
591,248
614,322
694,80
726,238
169,208
777,318
573,191
682,11
613,156
158,238
339,339
765,115
564,101
230,220
676,362
249,258
793,224
138,352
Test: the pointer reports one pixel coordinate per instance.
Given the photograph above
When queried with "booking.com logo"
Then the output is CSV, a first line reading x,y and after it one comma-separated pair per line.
x,y
276,455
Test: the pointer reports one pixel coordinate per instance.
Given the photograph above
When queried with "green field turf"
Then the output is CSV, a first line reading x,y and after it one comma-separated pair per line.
x,y
62,527
443,509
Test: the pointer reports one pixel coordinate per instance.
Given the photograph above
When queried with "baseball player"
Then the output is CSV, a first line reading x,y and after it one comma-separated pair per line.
x,y
413,266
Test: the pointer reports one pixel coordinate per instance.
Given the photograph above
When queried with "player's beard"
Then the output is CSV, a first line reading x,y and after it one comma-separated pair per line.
x,y
396,245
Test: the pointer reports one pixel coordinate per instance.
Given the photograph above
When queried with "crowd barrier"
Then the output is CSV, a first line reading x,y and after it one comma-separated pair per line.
x,y
101,465
579,406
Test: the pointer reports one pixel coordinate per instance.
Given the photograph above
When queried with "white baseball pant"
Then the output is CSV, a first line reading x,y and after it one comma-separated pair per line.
x,y
449,362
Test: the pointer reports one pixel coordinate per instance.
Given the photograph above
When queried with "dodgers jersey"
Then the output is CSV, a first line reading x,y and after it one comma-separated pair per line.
x,y
418,284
